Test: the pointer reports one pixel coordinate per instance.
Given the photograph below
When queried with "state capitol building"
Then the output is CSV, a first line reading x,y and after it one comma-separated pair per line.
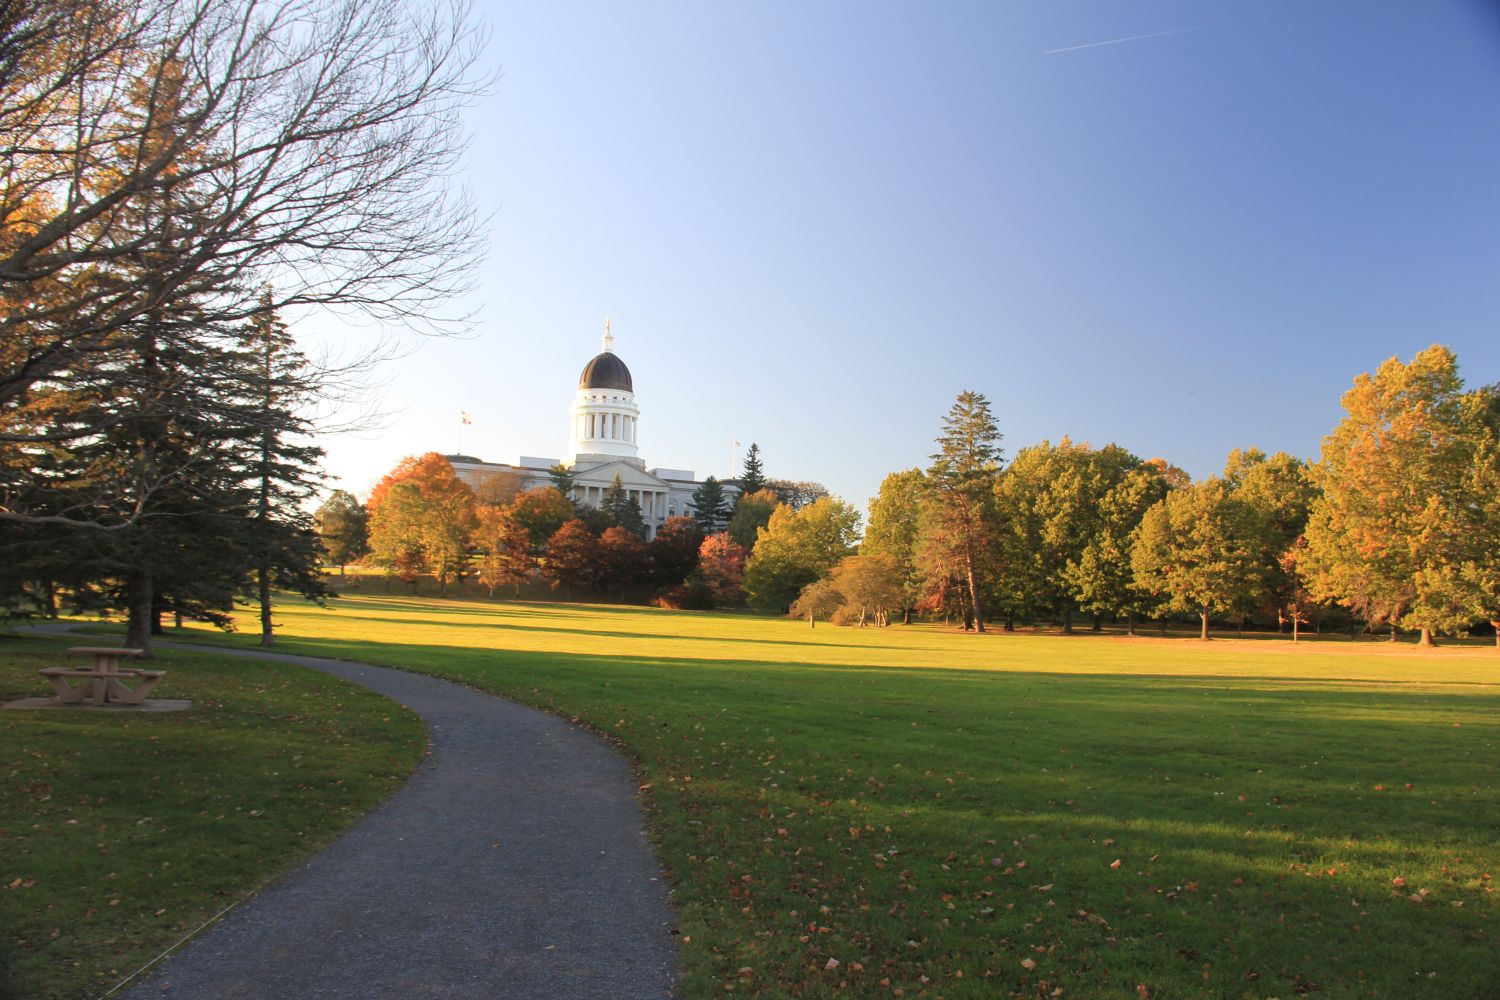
x,y
605,442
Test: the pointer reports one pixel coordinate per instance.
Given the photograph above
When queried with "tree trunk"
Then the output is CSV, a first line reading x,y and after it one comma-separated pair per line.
x,y
1496,626
1296,619
1204,616
1394,633
138,622
1098,623
1010,623
156,613
1068,620
1130,623
974,600
906,617
263,589
812,621
49,598
1424,638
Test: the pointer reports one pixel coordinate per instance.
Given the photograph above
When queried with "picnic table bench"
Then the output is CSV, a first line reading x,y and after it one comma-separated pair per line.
x,y
102,682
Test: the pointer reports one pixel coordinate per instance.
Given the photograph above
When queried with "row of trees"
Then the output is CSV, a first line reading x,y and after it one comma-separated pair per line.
x,y
422,519
1398,522
179,176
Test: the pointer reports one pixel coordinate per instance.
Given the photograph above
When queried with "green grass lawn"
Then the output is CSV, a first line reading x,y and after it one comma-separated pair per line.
x,y
121,832
959,816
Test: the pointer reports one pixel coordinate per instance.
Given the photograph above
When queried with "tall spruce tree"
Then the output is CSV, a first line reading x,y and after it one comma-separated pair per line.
x,y
710,508
962,486
622,510
283,474
754,476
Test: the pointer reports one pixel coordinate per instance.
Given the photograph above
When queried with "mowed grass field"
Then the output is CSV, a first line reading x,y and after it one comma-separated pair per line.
x,y
919,812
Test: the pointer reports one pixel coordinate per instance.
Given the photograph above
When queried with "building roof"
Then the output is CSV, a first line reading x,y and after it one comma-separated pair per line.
x,y
606,371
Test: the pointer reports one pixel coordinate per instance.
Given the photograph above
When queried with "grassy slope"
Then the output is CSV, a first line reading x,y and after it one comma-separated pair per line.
x,y
940,811
118,833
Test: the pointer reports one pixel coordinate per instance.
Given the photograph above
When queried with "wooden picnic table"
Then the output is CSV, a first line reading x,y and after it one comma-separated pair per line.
x,y
102,683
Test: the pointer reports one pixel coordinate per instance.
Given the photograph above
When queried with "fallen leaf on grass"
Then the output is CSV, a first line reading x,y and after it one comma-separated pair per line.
x,y
1028,964
1115,863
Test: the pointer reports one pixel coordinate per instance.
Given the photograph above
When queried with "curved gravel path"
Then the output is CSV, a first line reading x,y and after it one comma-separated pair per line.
x,y
514,863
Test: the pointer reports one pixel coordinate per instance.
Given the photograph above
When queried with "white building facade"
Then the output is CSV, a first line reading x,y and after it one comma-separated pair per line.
x,y
605,443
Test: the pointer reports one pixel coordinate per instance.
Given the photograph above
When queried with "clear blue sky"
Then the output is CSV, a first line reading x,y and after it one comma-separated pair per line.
x,y
814,224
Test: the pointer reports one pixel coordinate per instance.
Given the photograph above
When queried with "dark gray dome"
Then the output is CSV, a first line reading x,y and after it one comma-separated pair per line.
x,y
606,372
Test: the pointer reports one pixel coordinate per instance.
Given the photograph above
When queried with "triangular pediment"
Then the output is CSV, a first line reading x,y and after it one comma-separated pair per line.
x,y
631,477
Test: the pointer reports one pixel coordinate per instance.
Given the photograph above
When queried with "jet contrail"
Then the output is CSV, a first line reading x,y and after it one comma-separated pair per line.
x,y
1117,41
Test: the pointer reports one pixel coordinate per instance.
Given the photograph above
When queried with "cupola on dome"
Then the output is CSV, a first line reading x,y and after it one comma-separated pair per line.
x,y
606,371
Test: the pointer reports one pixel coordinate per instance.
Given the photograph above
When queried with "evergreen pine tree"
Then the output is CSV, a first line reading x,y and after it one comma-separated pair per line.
x,y
963,484
622,510
562,480
754,477
709,506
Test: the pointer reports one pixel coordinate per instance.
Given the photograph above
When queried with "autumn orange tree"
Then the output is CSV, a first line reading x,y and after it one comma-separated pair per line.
x,y
421,519
541,511
1401,504
505,550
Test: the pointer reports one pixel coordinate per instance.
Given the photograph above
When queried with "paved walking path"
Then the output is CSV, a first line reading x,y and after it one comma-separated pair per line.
x,y
514,863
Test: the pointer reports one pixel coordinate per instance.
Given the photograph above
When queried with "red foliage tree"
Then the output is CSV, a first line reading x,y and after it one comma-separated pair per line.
x,y
623,559
721,564
571,557
674,551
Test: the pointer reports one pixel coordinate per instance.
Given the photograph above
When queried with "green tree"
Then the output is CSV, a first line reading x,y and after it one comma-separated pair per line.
x,y
396,531
895,519
1394,521
622,510
563,480
752,511
343,525
1046,503
283,473
1202,549
1280,488
796,548
961,486
709,506
541,510
754,477
1102,580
